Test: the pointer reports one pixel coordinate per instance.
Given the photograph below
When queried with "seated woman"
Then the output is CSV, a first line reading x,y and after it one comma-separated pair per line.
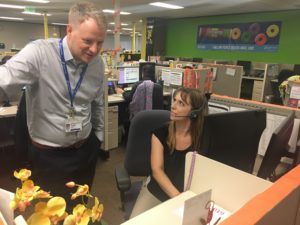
x,y
170,143
148,73
131,105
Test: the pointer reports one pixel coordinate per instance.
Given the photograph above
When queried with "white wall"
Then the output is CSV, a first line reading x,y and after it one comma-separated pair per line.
x,y
17,35
125,42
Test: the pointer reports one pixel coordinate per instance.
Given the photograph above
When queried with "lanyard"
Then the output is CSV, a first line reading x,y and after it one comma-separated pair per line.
x,y
72,93
191,172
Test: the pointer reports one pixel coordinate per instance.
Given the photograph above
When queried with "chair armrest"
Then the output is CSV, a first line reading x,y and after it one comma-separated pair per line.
x,y
122,179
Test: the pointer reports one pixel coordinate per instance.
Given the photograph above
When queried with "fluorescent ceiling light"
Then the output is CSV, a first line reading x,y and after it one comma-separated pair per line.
x,y
113,11
12,6
60,24
122,24
10,18
126,28
125,13
37,1
36,13
164,5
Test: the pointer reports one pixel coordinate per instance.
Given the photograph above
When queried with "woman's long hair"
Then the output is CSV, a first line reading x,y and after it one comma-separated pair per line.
x,y
198,101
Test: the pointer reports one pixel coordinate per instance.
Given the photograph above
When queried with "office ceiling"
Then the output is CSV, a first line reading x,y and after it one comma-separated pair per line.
x,y
140,9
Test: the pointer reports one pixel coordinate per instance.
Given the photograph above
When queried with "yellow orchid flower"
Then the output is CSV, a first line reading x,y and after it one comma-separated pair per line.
x,y
29,190
70,184
38,219
82,190
70,220
53,211
56,206
26,194
42,194
49,213
21,200
23,174
97,210
80,216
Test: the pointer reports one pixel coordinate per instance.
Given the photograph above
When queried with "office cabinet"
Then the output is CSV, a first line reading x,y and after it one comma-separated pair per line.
x,y
257,84
112,126
257,90
111,114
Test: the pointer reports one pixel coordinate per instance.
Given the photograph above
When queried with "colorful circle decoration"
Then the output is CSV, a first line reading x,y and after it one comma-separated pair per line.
x,y
235,33
261,39
203,32
272,30
254,28
246,37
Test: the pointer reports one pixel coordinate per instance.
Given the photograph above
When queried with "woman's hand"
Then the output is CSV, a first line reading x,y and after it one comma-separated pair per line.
x,y
119,90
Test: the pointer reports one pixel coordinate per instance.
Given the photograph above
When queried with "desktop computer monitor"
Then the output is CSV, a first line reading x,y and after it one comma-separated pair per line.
x,y
167,58
297,69
277,148
197,59
233,137
128,75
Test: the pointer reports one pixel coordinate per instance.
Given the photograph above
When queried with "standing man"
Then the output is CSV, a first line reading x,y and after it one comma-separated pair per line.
x,y
64,97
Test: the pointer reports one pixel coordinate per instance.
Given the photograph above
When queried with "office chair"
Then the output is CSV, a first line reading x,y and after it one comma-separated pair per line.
x,y
157,103
21,137
157,97
6,133
137,157
140,98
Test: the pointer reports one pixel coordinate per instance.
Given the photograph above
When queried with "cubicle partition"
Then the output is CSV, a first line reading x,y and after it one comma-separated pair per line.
x,y
277,205
226,79
275,114
177,77
218,79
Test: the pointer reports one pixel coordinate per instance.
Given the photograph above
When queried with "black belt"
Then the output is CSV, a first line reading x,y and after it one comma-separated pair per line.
x,y
76,145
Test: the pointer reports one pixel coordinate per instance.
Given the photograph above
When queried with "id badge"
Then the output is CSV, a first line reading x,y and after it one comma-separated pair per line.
x,y
73,125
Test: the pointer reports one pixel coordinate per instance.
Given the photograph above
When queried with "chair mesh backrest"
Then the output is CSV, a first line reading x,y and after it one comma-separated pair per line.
x,y
138,149
21,130
157,97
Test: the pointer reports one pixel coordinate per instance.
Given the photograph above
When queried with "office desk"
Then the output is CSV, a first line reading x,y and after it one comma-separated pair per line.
x,y
170,212
116,98
167,93
10,111
231,189
113,99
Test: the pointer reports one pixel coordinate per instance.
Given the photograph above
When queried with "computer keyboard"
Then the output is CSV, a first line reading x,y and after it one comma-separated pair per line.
x,y
117,95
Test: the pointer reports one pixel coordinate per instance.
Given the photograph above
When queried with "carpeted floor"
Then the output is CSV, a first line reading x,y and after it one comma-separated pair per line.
x,y
106,189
